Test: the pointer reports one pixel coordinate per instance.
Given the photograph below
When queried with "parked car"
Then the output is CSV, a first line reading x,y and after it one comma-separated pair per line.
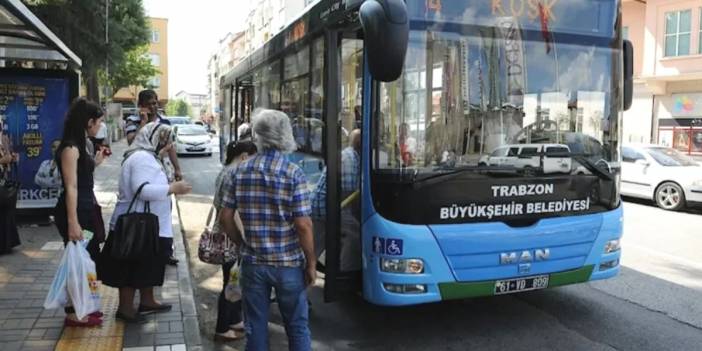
x,y
191,139
176,120
547,158
662,174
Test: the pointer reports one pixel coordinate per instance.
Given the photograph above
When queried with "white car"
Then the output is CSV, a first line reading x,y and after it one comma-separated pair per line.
x,y
547,158
191,139
670,178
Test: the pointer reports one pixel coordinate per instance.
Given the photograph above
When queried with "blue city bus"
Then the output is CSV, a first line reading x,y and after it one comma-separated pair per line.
x,y
490,140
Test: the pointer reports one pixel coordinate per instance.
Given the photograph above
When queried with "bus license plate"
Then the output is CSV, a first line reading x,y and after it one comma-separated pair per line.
x,y
521,284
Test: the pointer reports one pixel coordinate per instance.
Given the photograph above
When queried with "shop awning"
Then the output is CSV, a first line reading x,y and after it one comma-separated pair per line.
x,y
23,37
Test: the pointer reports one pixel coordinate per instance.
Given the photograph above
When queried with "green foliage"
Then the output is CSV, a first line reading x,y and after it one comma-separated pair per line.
x,y
80,24
135,70
178,108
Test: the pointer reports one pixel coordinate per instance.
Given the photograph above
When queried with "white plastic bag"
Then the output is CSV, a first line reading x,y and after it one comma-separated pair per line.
x,y
232,292
81,282
58,295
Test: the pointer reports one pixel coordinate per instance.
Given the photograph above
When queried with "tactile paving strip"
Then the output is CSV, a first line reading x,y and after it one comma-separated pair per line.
x,y
107,337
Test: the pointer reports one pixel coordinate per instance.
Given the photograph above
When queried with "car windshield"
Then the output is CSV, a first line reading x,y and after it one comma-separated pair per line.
x,y
192,130
670,157
490,82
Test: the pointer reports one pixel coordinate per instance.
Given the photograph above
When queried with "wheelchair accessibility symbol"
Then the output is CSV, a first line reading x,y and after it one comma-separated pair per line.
x,y
387,246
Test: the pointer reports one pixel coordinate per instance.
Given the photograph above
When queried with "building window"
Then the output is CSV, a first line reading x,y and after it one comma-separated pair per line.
x,y
155,82
677,33
155,59
155,36
625,33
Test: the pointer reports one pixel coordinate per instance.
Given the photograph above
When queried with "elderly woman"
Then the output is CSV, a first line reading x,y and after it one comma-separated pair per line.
x,y
141,165
270,195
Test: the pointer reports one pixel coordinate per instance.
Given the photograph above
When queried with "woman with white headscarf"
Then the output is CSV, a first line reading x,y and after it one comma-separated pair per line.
x,y
142,164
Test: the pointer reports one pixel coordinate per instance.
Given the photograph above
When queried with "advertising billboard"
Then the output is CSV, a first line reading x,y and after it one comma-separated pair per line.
x,y
33,106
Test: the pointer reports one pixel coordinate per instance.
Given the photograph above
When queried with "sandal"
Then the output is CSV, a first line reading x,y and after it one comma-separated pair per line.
x,y
230,335
91,322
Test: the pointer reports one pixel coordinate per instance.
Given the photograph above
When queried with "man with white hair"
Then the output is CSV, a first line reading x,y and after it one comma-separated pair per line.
x,y
270,195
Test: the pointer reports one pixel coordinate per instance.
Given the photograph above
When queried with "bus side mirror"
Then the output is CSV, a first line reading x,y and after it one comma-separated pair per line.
x,y
386,31
628,51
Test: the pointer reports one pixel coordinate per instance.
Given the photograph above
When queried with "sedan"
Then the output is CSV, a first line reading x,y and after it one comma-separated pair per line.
x,y
664,175
191,139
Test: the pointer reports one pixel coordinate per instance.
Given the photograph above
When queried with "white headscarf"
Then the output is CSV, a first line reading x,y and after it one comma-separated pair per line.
x,y
152,137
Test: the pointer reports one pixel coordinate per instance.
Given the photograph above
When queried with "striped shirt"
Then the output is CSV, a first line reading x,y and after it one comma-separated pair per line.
x,y
269,192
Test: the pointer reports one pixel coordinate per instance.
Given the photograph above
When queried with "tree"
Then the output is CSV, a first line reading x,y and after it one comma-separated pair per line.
x,y
135,71
178,108
81,26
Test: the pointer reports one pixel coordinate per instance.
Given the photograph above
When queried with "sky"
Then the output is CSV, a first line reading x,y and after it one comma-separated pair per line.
x,y
194,31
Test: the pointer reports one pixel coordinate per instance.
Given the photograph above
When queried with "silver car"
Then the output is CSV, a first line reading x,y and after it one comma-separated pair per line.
x,y
662,174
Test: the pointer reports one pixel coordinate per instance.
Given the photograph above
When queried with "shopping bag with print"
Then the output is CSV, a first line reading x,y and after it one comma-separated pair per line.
x,y
81,282
232,292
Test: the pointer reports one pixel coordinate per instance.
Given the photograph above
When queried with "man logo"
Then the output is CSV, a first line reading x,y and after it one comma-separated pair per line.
x,y
525,256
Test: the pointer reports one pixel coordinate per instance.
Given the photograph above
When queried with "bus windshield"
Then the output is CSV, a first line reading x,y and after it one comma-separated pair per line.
x,y
519,86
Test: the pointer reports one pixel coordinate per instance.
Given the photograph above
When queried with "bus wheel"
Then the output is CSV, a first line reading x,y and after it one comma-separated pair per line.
x,y
670,196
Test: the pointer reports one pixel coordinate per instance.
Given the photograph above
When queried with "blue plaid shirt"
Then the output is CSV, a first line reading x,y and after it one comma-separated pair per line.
x,y
350,182
269,192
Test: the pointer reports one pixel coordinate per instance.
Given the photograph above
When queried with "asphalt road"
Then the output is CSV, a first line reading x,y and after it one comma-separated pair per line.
x,y
654,304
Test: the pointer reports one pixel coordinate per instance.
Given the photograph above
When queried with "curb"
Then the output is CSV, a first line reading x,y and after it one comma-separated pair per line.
x,y
191,326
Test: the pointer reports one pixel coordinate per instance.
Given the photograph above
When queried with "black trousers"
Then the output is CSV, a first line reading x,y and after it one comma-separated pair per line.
x,y
228,313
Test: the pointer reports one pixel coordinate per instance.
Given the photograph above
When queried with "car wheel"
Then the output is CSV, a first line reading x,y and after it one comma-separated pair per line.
x,y
529,171
670,196
482,164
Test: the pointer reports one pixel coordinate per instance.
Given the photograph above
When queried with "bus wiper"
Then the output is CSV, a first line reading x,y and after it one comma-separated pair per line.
x,y
453,172
587,163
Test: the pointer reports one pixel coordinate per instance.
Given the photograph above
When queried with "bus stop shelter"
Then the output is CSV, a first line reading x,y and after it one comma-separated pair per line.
x,y
39,77
24,38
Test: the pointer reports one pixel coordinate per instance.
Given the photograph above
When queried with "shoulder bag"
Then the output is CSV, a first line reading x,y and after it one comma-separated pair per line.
x,y
136,234
215,247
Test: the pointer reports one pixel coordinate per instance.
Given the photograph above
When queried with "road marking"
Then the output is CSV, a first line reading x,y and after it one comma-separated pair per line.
x,y
666,256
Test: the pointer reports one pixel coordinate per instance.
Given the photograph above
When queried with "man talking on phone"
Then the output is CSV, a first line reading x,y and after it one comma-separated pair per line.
x,y
148,112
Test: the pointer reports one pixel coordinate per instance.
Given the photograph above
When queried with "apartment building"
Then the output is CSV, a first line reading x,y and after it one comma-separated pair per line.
x,y
158,53
667,39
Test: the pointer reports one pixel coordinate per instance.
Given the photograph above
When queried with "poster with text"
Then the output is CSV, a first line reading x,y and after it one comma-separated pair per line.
x,y
32,111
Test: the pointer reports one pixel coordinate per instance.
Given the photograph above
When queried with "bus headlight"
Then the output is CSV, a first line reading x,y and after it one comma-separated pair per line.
x,y
402,265
612,246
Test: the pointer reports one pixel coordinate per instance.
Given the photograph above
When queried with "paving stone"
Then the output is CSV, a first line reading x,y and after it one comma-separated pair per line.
x,y
39,345
163,348
176,326
53,333
139,348
23,323
163,327
11,346
179,347
169,341
36,333
49,323
147,340
191,331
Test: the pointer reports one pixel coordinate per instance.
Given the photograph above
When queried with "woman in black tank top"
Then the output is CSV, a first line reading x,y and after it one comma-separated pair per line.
x,y
77,209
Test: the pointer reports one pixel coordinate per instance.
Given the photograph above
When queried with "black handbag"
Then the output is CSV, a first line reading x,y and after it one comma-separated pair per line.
x,y
136,234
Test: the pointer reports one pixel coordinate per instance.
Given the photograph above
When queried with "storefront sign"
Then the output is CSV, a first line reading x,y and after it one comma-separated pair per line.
x,y
687,105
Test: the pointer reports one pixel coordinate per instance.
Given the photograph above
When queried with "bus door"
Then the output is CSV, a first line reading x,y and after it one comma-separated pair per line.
x,y
342,223
243,106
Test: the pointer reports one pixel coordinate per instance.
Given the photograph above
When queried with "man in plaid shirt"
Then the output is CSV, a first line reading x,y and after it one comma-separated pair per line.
x,y
270,195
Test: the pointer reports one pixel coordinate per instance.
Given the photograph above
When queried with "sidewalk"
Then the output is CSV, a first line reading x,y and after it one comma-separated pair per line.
x,y
26,275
